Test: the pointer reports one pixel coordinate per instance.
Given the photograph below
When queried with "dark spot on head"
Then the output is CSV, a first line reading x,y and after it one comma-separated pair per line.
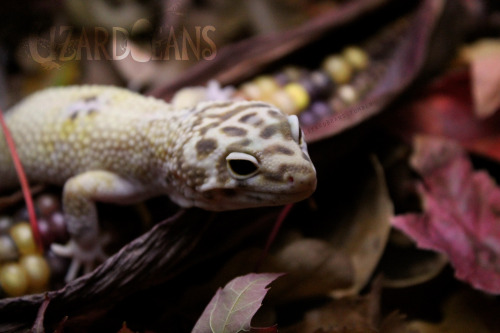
x,y
279,149
234,131
211,106
244,142
238,108
284,150
74,115
268,131
228,114
291,169
197,122
247,117
205,129
274,114
283,128
221,166
204,147
252,119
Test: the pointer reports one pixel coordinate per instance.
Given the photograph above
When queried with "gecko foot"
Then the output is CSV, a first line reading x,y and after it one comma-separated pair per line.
x,y
88,258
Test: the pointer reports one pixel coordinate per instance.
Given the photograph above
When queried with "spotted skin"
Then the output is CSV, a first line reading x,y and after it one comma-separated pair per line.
x,y
111,145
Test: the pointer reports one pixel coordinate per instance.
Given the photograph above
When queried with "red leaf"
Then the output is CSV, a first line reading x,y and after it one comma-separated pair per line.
x,y
461,215
446,109
232,308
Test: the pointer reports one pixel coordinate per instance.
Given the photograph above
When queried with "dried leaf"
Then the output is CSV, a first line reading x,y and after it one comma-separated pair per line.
x,y
460,216
395,323
232,308
445,109
368,230
313,268
346,315
403,265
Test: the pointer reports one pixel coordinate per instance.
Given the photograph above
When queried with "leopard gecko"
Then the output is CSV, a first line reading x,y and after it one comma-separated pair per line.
x,y
109,144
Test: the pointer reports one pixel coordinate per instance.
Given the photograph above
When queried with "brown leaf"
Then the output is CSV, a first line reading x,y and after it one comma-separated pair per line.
x,y
395,323
403,265
350,314
314,268
367,229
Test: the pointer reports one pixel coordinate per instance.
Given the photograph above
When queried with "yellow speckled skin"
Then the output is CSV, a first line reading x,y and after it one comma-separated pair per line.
x,y
112,145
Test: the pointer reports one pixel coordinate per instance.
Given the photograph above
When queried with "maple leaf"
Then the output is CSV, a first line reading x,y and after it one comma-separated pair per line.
x,y
232,307
461,215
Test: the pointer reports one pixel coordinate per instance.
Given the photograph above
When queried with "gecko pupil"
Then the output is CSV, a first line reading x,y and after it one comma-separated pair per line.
x,y
242,167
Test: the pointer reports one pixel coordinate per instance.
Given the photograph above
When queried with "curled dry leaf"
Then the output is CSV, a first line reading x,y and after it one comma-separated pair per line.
x,y
342,258
313,268
460,215
349,314
366,230
403,265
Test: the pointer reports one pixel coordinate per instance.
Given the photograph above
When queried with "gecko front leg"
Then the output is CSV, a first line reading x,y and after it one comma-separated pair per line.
x,y
79,196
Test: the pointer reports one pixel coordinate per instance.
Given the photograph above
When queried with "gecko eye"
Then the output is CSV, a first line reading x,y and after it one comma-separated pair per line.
x,y
241,165
295,128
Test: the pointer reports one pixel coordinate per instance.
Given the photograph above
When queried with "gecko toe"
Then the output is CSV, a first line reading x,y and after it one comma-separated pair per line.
x,y
86,258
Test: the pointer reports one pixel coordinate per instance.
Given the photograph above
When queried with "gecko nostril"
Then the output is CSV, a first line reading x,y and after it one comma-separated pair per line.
x,y
290,179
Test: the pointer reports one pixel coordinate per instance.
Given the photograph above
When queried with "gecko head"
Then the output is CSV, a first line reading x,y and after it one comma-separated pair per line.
x,y
248,154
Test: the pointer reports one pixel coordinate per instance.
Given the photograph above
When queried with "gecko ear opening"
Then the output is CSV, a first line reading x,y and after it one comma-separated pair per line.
x,y
242,165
